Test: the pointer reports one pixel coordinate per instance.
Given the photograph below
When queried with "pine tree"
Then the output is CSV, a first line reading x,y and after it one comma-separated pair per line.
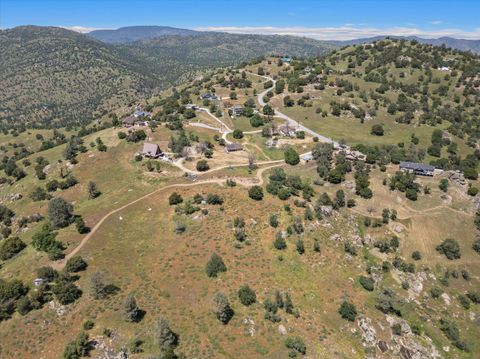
x,y
132,312
221,308
278,299
165,337
215,265
288,304
93,191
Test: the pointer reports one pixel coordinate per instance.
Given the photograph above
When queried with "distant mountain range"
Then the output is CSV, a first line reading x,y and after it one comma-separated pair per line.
x,y
138,33
144,33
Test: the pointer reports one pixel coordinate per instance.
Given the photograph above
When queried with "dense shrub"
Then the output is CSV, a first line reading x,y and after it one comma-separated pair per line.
x,y
450,248
10,247
247,295
256,193
367,282
291,156
348,311
215,265
75,264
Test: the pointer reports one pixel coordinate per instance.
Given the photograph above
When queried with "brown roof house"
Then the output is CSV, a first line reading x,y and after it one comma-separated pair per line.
x,y
151,150
129,121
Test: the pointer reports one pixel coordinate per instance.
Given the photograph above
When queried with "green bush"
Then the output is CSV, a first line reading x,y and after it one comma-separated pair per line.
x,y
367,282
247,295
10,247
296,344
215,265
256,193
291,156
348,311
202,166
175,198
450,248
75,264
237,134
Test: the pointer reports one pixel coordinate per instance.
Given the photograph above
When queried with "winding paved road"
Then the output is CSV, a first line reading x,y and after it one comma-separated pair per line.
x,y
291,121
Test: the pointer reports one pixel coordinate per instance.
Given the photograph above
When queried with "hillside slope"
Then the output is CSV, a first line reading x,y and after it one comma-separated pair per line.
x,y
52,74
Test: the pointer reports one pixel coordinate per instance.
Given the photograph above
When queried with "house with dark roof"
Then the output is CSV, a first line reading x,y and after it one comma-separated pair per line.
x,y
132,121
208,96
233,147
151,150
236,110
421,169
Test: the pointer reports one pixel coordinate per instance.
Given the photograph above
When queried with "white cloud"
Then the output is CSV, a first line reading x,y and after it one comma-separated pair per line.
x,y
345,32
82,29
435,22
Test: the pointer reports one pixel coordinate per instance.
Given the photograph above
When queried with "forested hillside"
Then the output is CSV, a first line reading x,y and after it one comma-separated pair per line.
x,y
52,77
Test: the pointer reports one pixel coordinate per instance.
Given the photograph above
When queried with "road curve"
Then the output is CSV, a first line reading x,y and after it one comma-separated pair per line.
x,y
290,121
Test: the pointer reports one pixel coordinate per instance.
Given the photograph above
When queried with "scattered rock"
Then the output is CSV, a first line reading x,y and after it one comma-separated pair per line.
x,y
476,202
326,210
250,326
398,228
335,237
456,177
282,330
47,169
446,298
12,197
58,308
368,332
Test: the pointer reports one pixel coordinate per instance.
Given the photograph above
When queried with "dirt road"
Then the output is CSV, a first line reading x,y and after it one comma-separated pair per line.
x,y
259,175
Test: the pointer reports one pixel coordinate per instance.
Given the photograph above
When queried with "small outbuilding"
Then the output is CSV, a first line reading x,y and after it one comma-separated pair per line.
x,y
233,147
420,169
151,150
141,113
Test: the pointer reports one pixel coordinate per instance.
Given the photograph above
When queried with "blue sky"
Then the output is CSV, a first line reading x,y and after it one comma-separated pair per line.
x,y
323,19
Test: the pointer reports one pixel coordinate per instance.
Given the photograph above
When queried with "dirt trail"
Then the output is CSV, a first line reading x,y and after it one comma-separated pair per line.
x,y
259,176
